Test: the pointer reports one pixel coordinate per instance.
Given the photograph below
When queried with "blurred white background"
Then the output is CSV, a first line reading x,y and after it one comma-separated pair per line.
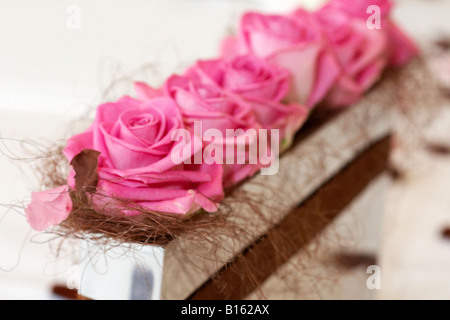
x,y
51,71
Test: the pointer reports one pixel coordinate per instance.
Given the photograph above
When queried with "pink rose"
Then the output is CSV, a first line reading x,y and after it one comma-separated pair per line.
x,y
246,75
402,49
295,44
48,208
362,53
216,109
260,83
134,139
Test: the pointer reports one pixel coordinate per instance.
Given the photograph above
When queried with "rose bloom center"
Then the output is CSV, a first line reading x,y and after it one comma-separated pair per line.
x,y
141,121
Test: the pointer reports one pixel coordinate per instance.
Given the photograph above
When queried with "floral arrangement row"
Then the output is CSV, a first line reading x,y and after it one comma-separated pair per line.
x,y
268,79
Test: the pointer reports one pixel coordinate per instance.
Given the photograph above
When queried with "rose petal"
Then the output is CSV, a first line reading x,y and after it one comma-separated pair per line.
x,y
78,143
49,208
145,92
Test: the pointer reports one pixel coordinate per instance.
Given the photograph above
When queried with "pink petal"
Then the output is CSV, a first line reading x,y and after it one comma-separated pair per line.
x,y
49,208
145,92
